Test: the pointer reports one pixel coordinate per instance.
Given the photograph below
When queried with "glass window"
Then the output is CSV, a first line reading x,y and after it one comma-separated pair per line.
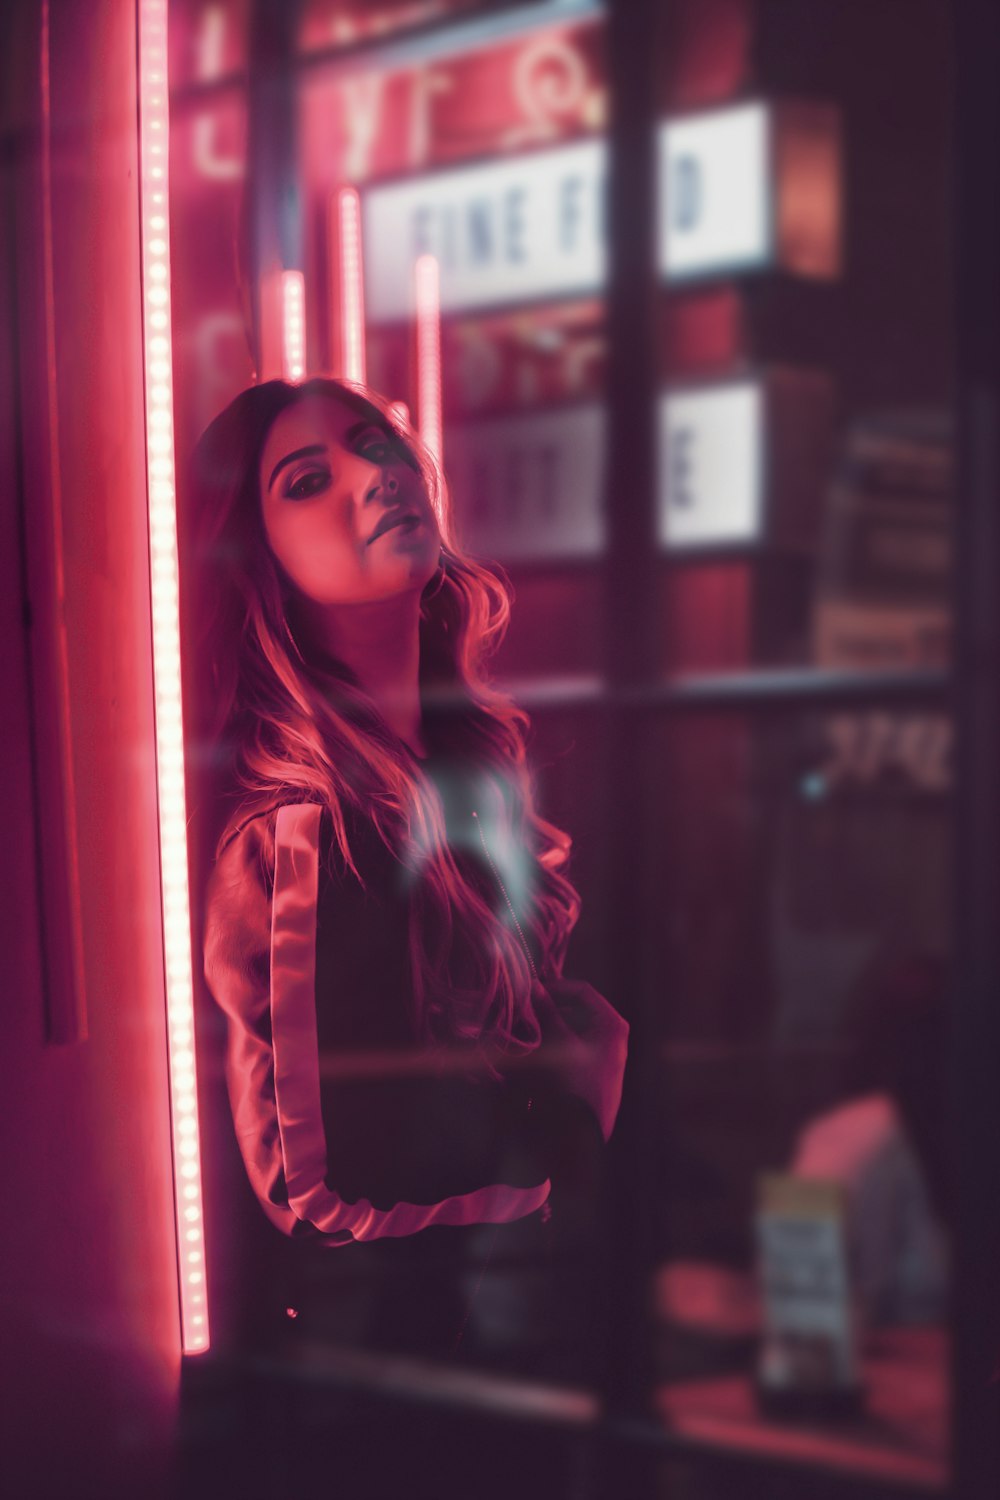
x,y
789,729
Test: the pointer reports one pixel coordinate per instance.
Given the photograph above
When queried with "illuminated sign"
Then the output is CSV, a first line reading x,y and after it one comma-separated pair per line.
x,y
501,233
433,102
714,201
741,463
711,467
752,186
749,186
530,486
745,462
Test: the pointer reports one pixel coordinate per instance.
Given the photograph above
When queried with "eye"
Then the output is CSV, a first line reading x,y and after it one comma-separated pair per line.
x,y
307,484
377,447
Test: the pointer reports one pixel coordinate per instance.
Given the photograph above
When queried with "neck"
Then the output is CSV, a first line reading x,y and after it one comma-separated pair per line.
x,y
379,642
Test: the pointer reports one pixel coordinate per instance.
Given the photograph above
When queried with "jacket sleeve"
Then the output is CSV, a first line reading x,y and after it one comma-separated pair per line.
x,y
237,966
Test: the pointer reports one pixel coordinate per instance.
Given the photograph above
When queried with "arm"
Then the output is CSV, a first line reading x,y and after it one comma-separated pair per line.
x,y
237,968
584,1047
588,1040
260,963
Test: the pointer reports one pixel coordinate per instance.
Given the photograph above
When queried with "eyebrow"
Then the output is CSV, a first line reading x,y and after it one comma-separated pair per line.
x,y
289,458
314,449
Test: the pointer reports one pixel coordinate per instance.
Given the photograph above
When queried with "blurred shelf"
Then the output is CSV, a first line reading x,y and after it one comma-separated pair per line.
x,y
403,1377
899,1445
902,1438
570,690
775,687
710,1052
778,686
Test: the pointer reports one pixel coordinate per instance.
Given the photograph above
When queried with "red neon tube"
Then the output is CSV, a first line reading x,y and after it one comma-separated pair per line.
x,y
153,156
350,298
428,299
293,325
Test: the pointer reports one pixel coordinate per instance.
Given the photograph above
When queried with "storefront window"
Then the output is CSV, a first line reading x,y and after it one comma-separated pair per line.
x,y
793,737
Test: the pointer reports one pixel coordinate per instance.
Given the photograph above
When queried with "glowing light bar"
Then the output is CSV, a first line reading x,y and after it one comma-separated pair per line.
x,y
293,325
155,229
428,299
351,299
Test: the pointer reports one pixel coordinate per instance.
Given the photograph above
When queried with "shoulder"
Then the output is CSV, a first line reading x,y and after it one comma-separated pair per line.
x,y
244,867
248,868
253,822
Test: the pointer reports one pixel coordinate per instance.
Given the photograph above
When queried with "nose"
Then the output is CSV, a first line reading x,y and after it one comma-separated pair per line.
x,y
386,487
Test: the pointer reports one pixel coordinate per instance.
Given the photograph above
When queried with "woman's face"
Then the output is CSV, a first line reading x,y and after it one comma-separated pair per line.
x,y
345,513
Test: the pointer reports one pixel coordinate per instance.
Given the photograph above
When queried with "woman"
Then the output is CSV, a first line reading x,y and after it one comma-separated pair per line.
x,y
387,917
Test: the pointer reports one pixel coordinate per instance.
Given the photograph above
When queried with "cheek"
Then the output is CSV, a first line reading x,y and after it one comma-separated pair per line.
x,y
311,550
320,563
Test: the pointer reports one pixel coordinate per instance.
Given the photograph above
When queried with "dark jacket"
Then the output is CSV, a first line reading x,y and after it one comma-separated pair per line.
x,y
347,1128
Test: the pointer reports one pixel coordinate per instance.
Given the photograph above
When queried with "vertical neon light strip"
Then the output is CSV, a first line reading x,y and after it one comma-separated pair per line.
x,y
153,155
428,298
293,325
352,290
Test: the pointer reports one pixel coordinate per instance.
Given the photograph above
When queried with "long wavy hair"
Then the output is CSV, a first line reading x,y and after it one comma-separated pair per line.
x,y
272,720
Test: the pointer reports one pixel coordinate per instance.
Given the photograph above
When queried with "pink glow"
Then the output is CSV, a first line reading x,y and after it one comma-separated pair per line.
x,y
428,299
153,144
350,298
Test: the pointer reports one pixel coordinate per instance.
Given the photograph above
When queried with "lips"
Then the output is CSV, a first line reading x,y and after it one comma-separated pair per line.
x,y
394,517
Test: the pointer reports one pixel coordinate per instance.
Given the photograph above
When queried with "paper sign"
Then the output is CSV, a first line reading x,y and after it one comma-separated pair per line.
x,y
810,1336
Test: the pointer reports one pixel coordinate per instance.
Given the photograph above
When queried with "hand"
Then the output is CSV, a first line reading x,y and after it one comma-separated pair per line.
x,y
586,1041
